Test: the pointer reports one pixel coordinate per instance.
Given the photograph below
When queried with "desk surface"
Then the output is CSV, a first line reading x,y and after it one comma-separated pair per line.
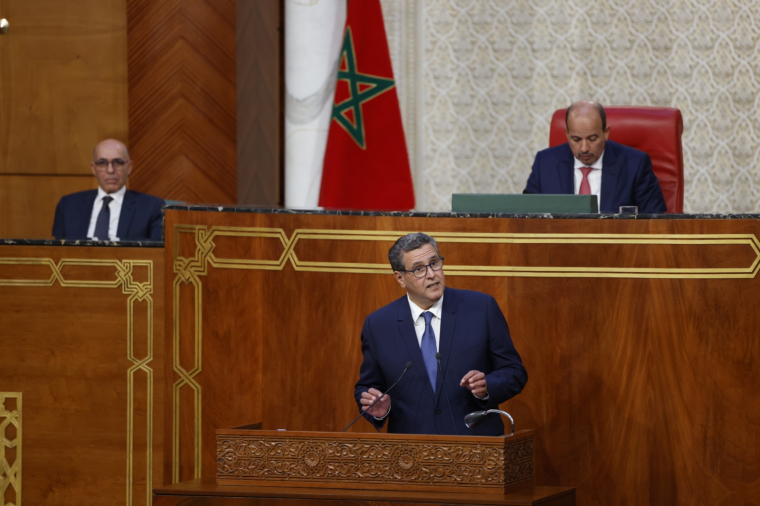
x,y
207,488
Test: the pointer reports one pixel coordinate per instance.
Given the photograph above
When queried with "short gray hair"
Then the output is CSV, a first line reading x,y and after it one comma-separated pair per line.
x,y
409,242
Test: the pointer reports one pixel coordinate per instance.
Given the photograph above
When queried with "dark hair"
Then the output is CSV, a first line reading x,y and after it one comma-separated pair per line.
x,y
409,242
599,109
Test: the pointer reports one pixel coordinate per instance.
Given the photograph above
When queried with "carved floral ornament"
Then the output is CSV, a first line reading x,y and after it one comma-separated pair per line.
x,y
335,460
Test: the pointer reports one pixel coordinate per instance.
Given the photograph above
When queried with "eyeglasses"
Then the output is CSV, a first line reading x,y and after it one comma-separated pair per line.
x,y
103,164
421,270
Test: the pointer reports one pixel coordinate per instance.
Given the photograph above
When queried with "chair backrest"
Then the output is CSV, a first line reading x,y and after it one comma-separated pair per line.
x,y
653,130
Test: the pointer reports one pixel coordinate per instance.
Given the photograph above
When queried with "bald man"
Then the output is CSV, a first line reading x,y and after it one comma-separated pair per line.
x,y
110,213
591,164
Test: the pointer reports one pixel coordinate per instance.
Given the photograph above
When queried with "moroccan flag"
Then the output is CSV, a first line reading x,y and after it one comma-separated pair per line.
x,y
366,163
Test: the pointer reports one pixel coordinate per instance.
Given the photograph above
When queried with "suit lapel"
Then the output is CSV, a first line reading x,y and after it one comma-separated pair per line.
x,y
448,325
125,218
610,173
83,223
566,172
409,337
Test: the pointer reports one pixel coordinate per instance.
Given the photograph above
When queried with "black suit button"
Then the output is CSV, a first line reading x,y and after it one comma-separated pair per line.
x,y
437,411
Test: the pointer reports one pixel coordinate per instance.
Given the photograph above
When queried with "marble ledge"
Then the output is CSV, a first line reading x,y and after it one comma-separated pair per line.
x,y
87,242
422,214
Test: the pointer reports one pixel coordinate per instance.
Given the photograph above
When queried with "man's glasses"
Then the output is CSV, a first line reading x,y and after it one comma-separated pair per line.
x,y
103,164
421,270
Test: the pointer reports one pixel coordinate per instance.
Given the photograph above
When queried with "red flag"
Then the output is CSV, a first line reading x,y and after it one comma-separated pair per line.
x,y
366,163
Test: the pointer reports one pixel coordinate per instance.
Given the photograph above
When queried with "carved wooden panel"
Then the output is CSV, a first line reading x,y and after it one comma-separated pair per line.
x,y
392,462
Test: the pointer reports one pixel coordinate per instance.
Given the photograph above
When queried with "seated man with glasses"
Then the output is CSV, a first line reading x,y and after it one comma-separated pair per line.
x,y
110,213
457,341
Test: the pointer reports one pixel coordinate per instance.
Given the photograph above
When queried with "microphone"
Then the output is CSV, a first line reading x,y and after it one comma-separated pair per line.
x,y
445,391
406,368
474,418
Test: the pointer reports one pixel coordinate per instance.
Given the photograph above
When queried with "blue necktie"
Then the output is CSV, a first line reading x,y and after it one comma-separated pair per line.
x,y
104,219
429,350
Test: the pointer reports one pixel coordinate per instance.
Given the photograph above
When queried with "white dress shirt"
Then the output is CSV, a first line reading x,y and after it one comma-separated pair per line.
x,y
594,178
114,206
419,320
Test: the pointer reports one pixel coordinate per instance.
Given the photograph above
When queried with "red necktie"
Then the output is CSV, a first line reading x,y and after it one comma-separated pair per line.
x,y
585,188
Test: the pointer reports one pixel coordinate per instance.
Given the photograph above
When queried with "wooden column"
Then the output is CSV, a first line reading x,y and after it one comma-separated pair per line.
x,y
260,109
182,99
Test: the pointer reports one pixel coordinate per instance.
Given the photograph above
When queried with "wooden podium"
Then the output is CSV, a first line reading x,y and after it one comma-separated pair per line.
x,y
407,462
281,467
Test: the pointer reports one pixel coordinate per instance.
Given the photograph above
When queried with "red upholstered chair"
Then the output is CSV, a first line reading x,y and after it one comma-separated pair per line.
x,y
653,130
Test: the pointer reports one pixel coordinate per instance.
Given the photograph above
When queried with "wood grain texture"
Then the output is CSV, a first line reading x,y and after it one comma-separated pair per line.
x,y
421,463
260,95
63,85
63,88
84,347
641,391
206,493
27,202
182,101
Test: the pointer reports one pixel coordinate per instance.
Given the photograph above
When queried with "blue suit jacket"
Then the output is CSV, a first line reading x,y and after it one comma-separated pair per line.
x,y
141,216
627,177
474,336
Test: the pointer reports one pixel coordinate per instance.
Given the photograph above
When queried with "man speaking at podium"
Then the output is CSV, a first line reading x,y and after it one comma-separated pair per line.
x,y
456,342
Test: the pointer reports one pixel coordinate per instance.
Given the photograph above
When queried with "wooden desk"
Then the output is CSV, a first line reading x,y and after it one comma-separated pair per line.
x,y
639,337
81,373
206,493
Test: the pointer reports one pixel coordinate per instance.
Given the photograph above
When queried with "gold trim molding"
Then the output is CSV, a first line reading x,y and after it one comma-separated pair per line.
x,y
123,271
10,474
189,271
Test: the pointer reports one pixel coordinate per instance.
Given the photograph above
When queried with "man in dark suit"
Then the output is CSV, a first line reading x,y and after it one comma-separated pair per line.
x,y
479,366
111,212
590,164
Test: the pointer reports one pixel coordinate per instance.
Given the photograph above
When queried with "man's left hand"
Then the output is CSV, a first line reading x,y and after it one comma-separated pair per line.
x,y
475,382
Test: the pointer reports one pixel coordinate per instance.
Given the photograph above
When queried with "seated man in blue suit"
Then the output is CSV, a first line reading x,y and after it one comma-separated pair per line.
x,y
479,367
111,212
590,164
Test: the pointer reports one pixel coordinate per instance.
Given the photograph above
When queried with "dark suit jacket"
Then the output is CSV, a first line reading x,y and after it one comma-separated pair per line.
x,y
141,216
627,177
474,336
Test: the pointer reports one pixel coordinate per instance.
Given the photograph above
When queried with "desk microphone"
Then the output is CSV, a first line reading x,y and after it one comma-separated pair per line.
x,y
406,368
445,391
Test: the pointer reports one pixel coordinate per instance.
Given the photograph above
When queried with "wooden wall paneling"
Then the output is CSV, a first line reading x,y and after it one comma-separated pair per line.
x,y
638,335
182,99
207,348
82,343
63,88
260,109
28,202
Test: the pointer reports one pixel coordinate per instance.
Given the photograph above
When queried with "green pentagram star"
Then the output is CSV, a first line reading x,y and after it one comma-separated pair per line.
x,y
362,88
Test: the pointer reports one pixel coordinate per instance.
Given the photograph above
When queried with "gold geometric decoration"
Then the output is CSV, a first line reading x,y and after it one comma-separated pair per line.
x,y
46,274
189,271
10,447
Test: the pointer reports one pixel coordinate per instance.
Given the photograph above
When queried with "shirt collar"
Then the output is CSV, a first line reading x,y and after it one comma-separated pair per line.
x,y
117,196
417,310
596,165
